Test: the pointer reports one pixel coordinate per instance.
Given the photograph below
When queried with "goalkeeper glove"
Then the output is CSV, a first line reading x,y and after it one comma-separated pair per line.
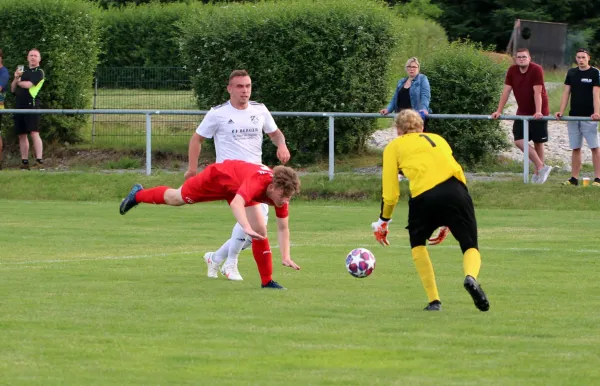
x,y
440,236
380,230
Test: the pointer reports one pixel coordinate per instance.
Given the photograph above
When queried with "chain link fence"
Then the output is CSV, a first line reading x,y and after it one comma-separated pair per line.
x,y
160,88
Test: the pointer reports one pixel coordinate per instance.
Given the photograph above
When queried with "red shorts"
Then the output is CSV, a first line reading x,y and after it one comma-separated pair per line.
x,y
202,188
207,186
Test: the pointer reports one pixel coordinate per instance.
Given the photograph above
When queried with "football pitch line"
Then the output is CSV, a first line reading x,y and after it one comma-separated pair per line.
x,y
165,254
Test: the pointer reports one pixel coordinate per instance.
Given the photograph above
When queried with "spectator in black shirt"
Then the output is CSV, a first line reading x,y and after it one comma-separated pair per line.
x,y
26,85
582,84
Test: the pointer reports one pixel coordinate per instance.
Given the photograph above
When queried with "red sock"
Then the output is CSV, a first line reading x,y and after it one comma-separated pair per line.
x,y
152,195
264,259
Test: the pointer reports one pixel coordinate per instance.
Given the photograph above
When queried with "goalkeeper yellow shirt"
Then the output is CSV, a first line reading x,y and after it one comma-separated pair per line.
x,y
424,158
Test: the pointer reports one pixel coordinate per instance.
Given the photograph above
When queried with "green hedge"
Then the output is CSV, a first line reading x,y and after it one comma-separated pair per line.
x,y
422,38
331,55
65,33
141,36
465,81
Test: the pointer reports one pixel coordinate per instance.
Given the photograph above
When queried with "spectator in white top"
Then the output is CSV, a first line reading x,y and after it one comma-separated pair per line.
x,y
237,127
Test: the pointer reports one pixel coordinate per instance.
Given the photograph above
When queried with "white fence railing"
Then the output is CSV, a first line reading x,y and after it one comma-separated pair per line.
x,y
330,115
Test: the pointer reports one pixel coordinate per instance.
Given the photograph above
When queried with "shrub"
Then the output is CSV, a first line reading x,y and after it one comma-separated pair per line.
x,y
330,55
141,36
465,81
422,38
65,33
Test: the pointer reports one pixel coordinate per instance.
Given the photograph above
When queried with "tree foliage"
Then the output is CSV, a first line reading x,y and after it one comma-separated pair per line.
x,y
491,21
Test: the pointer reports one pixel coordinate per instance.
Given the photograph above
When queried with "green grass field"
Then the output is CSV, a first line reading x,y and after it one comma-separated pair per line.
x,y
92,297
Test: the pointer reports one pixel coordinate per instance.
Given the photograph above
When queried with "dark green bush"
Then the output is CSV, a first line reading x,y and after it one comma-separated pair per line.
x,y
329,55
142,36
122,3
65,32
465,81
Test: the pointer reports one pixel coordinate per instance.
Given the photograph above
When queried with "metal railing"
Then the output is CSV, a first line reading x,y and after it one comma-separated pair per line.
x,y
330,115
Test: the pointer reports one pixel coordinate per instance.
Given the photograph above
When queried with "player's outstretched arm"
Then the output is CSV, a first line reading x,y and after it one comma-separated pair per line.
x,y
194,149
283,236
238,207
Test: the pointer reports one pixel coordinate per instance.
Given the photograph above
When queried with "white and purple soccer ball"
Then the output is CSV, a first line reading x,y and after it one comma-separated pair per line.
x,y
360,262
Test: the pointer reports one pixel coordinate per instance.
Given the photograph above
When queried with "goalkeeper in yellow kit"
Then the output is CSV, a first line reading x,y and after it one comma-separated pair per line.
x,y
439,196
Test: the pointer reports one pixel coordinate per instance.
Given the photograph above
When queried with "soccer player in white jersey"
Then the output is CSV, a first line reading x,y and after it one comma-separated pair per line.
x,y
237,127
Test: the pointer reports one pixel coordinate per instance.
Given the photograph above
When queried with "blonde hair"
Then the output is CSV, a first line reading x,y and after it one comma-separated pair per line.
x,y
287,179
408,121
413,60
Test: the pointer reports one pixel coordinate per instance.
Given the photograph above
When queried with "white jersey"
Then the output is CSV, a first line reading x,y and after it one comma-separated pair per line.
x,y
238,134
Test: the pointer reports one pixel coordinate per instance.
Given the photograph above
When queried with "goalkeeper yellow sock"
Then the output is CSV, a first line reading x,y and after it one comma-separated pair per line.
x,y
425,270
472,262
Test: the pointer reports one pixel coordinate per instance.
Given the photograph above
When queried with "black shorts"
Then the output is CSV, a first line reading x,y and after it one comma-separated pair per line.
x,y
26,123
448,203
538,131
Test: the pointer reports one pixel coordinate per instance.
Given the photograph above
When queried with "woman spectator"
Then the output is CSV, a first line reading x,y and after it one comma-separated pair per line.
x,y
412,92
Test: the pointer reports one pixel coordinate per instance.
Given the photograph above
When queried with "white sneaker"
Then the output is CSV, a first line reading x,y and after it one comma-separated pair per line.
x,y
535,178
213,268
230,271
544,173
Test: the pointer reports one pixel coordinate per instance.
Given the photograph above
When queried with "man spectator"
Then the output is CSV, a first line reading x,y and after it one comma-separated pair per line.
x,y
237,127
526,80
26,85
582,84
4,75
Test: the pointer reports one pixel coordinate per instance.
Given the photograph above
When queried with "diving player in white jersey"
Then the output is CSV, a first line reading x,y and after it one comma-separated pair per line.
x,y
237,128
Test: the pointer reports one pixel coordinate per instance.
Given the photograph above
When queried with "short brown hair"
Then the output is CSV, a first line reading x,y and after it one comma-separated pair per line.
x,y
408,121
582,50
1,54
524,50
236,73
287,179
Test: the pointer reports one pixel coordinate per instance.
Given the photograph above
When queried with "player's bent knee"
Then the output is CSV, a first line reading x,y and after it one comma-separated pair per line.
x,y
261,231
173,197
466,246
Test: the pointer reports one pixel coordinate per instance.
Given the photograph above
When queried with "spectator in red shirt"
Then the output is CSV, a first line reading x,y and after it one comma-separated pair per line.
x,y
526,80
244,186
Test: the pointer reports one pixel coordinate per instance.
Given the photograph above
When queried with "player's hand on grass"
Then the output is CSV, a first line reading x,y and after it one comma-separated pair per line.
x,y
439,236
380,231
290,263
190,173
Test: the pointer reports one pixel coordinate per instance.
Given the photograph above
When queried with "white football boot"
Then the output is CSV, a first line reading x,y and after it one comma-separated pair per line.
x,y
213,268
230,271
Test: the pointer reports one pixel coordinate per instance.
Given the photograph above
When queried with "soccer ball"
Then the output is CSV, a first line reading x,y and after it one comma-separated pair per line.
x,y
360,262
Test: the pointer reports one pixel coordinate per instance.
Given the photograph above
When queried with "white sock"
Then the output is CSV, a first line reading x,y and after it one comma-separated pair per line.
x,y
236,242
221,253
